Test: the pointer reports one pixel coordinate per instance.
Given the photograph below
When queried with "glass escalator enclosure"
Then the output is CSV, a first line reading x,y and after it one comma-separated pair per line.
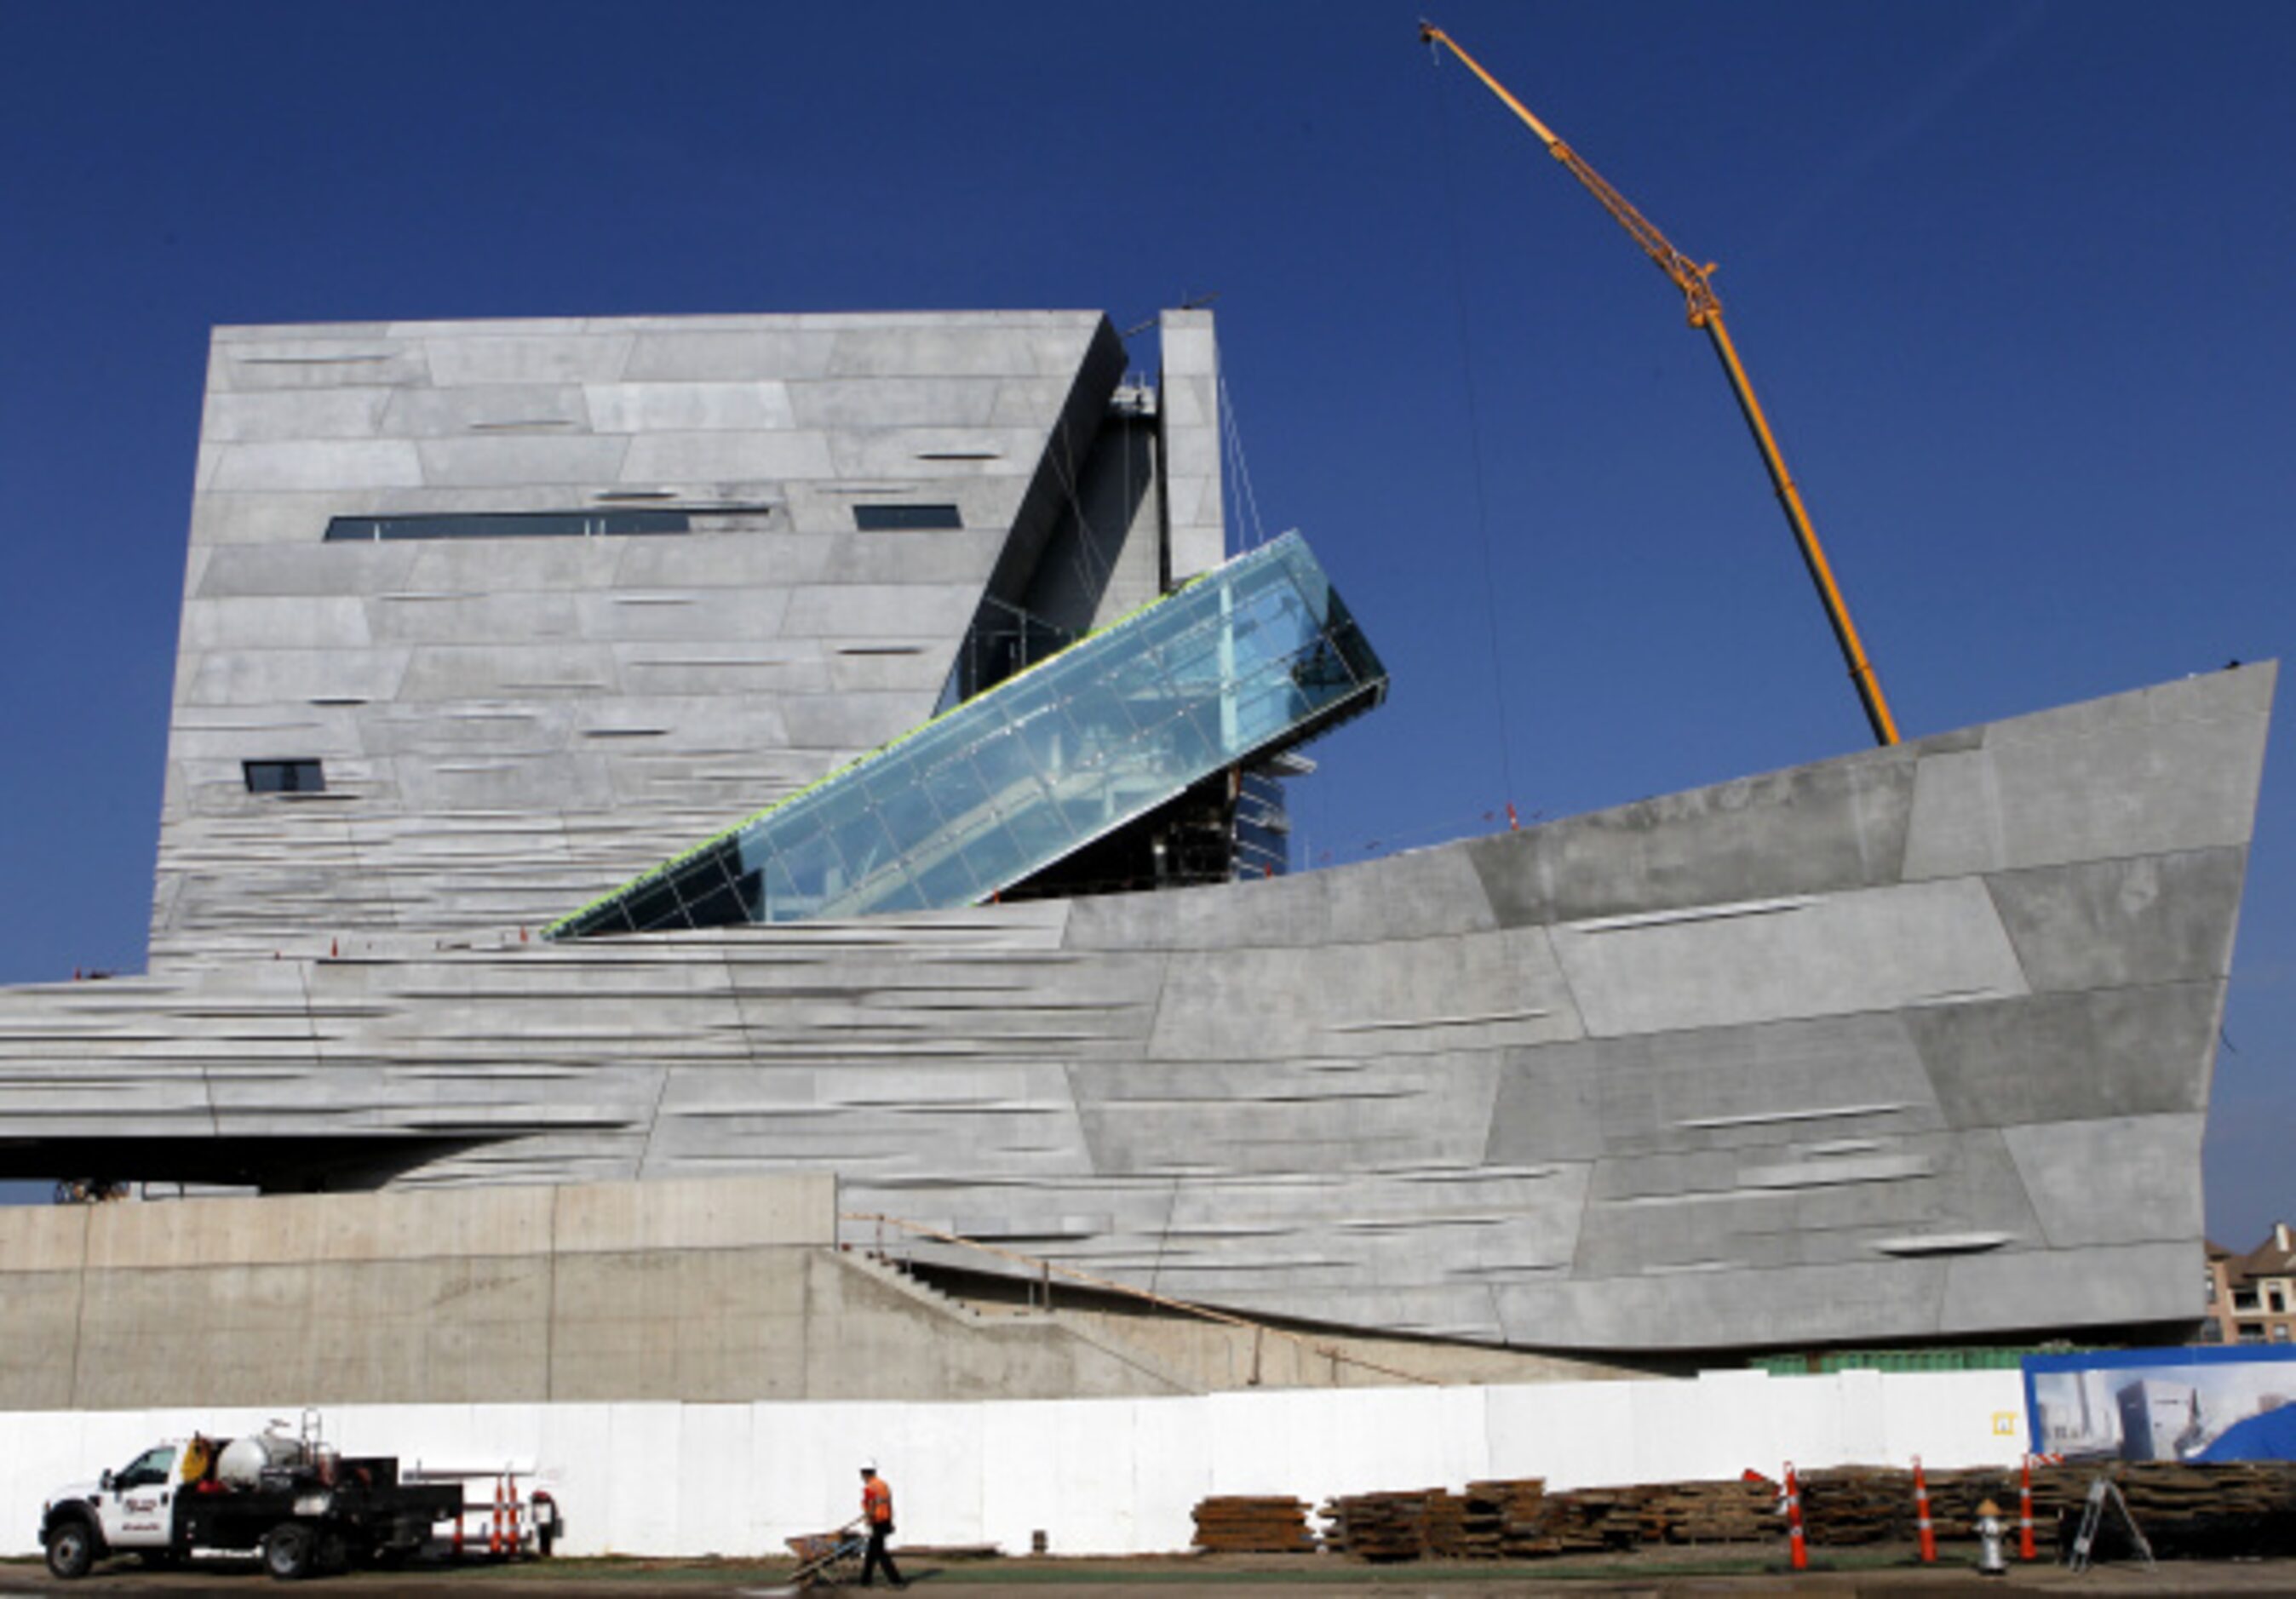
x,y
1253,658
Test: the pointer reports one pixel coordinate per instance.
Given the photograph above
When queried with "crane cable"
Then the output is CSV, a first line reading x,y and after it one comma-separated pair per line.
x,y
1247,502
1475,442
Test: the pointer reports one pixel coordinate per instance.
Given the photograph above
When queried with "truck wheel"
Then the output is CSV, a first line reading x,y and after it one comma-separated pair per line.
x,y
287,1550
72,1549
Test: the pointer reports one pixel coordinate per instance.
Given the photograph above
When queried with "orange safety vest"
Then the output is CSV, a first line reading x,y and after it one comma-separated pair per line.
x,y
877,1502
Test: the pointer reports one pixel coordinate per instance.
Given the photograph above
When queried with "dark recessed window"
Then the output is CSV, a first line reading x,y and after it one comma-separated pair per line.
x,y
283,777
508,524
896,519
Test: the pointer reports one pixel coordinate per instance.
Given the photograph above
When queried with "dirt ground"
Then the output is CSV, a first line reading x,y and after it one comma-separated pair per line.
x,y
1867,1571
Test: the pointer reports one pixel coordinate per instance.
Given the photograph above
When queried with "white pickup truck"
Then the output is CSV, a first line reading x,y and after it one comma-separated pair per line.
x,y
299,1503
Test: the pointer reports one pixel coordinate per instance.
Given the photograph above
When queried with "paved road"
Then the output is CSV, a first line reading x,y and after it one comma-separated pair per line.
x,y
1684,1574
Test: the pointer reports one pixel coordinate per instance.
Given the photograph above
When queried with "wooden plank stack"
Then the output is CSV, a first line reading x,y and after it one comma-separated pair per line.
x,y
1735,1512
1857,1504
2208,1512
1590,1519
1446,1525
1244,1524
1501,1519
1379,1527
2218,1511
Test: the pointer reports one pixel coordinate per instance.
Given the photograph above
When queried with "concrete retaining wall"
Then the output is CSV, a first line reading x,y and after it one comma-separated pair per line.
x,y
729,1290
1098,1476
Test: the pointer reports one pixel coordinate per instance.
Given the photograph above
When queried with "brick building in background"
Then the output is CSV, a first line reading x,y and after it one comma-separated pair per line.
x,y
2253,1296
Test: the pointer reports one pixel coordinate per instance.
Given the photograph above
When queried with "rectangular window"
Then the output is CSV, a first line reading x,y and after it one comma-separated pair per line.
x,y
283,777
2275,1299
507,524
899,518
2252,1331
2280,1331
2243,1299
2213,1330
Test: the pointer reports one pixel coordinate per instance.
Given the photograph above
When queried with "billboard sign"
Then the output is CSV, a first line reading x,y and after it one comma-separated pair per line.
x,y
2196,1405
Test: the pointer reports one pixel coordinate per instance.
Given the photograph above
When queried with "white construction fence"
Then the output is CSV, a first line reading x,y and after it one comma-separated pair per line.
x,y
1095,1476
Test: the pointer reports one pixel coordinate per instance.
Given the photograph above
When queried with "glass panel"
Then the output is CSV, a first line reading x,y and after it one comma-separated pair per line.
x,y
887,519
862,844
947,882
653,906
1251,659
517,524
956,792
995,855
722,908
814,872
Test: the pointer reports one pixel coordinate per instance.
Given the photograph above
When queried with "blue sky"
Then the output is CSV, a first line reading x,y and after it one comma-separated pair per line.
x,y
2011,279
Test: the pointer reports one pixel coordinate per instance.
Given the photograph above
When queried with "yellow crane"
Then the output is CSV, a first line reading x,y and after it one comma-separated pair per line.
x,y
1697,287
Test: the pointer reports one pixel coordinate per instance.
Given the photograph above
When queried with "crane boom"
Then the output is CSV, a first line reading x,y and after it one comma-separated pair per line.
x,y
1705,311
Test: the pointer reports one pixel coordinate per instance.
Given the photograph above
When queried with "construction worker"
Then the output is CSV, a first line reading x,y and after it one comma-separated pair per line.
x,y
877,1512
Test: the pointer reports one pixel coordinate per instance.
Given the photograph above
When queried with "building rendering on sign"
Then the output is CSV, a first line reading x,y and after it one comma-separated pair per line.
x,y
684,748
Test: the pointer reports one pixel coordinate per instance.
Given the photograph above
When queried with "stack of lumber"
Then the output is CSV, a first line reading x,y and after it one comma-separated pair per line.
x,y
1500,1519
1379,1526
1710,1513
1590,1519
2202,1511
1446,1525
1241,1524
2216,1511
1858,1504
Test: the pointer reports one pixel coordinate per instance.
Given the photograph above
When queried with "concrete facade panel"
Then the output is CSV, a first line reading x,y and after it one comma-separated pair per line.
x,y
2122,1052
1357,1000
2153,1163
514,458
729,355
305,622
932,454
324,358
327,463
461,357
691,407
2051,794
701,457
2130,1285
866,403
2107,924
248,572
920,349
1813,830
1770,960
268,417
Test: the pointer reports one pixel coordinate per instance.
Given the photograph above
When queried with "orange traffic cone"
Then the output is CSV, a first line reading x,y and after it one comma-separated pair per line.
x,y
1928,1534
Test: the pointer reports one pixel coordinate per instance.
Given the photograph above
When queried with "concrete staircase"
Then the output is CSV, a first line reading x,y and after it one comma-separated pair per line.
x,y
1156,1376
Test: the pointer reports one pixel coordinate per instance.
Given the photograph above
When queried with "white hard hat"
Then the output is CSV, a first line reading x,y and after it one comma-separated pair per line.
x,y
869,1467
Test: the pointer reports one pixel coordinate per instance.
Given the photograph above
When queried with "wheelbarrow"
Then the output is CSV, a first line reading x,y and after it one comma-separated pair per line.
x,y
827,1559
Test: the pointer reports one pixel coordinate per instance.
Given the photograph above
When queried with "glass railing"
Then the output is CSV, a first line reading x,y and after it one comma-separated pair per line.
x,y
1253,656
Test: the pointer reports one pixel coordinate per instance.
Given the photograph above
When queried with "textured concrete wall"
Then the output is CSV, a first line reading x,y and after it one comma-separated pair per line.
x,y
726,1290
1912,1043
1098,1477
1195,537
511,726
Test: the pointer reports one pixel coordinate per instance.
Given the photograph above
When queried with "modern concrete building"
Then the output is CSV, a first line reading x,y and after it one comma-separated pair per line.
x,y
485,623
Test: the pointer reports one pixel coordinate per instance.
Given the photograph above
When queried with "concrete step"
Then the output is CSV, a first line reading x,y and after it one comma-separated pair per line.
x,y
895,1276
